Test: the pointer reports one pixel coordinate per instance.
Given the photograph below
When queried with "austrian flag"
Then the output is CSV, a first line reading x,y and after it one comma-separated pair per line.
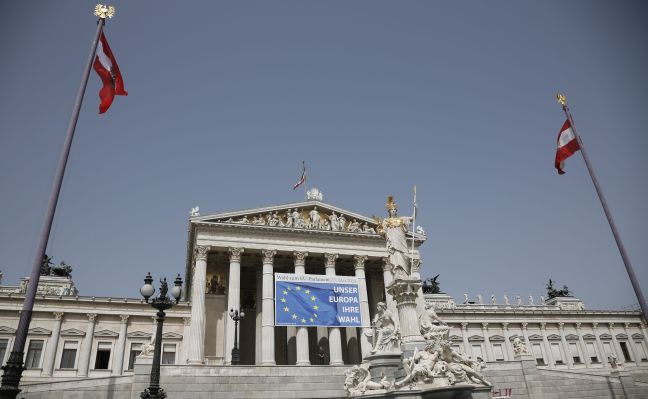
x,y
567,146
106,67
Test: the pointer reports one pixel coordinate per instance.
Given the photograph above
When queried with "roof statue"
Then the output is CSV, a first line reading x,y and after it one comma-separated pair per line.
x,y
552,292
314,194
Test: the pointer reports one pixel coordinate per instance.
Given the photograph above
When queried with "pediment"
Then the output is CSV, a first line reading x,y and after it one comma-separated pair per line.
x,y
7,330
139,334
72,332
311,216
455,338
171,335
637,336
496,338
605,336
106,334
535,337
553,337
475,338
589,336
571,337
621,336
39,331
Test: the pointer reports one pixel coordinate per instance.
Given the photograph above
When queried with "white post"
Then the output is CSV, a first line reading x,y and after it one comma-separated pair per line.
x,y
50,355
233,299
303,358
335,338
197,327
86,348
267,321
359,262
118,363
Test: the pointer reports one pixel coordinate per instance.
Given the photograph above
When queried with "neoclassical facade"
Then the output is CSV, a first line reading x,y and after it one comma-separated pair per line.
x,y
231,261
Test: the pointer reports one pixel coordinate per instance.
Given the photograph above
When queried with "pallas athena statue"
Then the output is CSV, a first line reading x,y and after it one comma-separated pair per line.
x,y
394,229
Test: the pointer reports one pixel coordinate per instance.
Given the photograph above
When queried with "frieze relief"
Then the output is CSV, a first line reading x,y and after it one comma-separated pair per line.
x,y
310,218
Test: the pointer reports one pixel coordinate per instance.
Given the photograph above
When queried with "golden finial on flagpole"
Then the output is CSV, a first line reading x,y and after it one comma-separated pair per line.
x,y
103,11
562,100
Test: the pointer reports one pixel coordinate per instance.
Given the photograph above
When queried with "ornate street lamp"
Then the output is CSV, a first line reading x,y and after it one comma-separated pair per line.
x,y
161,303
236,353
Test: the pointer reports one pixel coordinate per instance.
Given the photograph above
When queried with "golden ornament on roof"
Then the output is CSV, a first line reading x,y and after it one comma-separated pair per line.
x,y
103,11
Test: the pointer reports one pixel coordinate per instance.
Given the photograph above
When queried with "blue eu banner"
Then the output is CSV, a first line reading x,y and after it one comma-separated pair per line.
x,y
316,300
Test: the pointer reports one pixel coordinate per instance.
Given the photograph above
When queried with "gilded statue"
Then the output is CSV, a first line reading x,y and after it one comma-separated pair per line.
x,y
394,229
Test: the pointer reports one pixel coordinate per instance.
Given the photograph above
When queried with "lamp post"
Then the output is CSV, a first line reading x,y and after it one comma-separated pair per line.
x,y
236,353
161,303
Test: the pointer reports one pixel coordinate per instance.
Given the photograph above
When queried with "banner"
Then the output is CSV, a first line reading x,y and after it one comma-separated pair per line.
x,y
316,300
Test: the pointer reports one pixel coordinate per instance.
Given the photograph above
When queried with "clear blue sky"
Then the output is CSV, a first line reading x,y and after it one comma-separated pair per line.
x,y
227,98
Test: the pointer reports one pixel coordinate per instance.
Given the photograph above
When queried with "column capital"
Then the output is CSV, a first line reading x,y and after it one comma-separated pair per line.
x,y
543,326
124,318
464,325
186,321
561,325
626,324
58,315
235,254
359,261
578,325
594,325
268,255
330,259
611,325
525,325
201,252
300,257
505,325
91,317
484,325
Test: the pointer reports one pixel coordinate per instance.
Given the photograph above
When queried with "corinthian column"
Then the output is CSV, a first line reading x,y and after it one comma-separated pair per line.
x,y
602,355
302,332
118,363
267,312
464,337
507,341
583,348
568,356
635,355
487,343
86,348
335,339
405,293
50,355
359,262
543,329
233,299
197,328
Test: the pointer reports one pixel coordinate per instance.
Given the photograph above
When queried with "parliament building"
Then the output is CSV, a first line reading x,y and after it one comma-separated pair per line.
x,y
82,343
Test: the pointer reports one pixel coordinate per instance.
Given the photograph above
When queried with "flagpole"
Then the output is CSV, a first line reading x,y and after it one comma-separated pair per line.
x,y
413,232
562,100
14,367
305,184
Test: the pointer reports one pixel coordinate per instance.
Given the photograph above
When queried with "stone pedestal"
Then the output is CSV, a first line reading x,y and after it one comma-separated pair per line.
x,y
384,364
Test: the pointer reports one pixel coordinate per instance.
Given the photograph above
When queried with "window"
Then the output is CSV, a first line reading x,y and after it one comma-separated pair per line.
x,y
68,357
537,353
498,352
102,360
640,351
477,351
136,349
573,349
591,352
555,351
624,349
3,349
32,361
168,353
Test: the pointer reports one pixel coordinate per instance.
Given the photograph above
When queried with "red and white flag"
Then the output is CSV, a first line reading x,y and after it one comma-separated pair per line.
x,y
106,67
302,179
567,146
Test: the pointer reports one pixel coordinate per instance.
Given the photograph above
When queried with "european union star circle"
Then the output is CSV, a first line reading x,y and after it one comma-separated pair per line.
x,y
304,304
